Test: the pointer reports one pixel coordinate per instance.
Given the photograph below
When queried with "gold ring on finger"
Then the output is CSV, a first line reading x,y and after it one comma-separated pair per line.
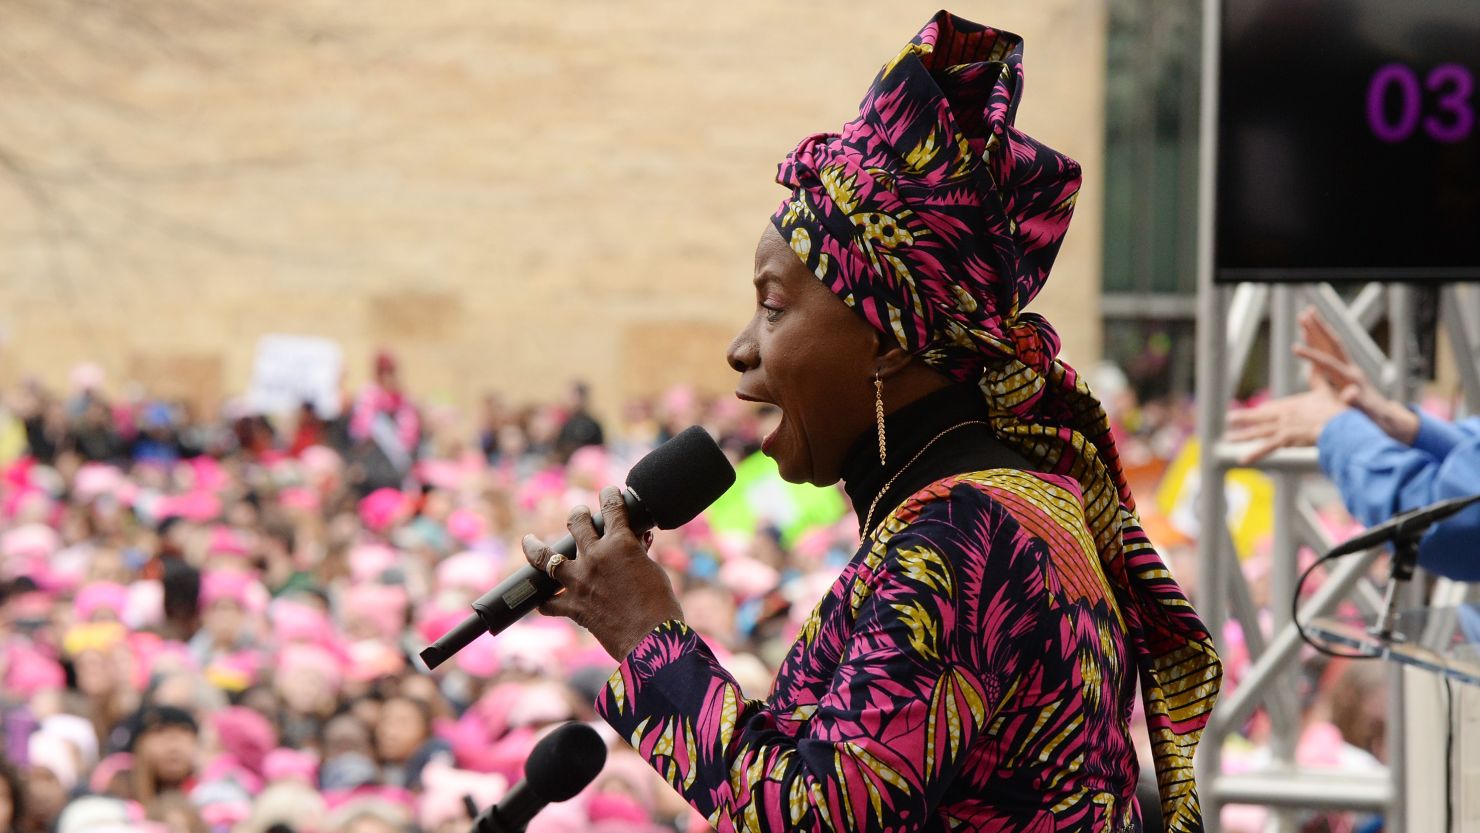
x,y
555,561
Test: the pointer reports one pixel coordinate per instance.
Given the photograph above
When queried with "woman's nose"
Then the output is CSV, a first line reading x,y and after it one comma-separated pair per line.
x,y
742,353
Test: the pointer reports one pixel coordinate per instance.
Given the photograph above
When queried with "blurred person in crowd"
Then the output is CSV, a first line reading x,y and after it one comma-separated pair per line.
x,y
367,816
166,751
104,671
386,429
308,431
1384,457
933,685
94,435
350,733
307,682
230,600
12,798
404,743
581,428
45,422
493,415
157,440
175,812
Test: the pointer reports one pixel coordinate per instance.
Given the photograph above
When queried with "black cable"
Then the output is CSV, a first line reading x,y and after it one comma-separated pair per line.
x,y
1449,720
1295,614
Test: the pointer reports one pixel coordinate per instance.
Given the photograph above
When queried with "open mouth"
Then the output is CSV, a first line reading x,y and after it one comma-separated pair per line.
x,y
766,405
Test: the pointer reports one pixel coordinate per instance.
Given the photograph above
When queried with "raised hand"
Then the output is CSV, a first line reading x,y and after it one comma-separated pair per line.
x,y
612,588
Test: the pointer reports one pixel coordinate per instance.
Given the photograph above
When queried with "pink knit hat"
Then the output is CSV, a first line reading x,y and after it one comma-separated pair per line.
x,y
197,506
368,562
371,659
311,659
31,540
207,473
104,596
294,621
245,735
232,585
227,541
382,509
300,498
28,671
95,479
284,764
383,606
470,570
442,800
466,526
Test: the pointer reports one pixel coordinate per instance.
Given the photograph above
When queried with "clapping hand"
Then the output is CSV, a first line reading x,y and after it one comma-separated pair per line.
x,y
1336,383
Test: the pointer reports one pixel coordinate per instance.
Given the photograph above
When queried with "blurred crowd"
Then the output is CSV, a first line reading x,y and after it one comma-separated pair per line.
x,y
210,623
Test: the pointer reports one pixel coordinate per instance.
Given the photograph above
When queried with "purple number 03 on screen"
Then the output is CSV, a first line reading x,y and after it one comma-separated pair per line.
x,y
1451,118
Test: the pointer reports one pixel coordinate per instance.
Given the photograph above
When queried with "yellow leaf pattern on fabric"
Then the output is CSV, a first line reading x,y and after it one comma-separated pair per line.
x,y
923,632
797,800
920,156
843,188
618,689
924,565
727,715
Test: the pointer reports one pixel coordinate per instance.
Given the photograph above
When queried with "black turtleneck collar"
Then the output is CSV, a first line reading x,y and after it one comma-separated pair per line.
x,y
907,431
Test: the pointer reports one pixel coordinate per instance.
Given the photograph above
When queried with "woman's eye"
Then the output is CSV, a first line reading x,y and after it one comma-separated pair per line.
x,y
772,313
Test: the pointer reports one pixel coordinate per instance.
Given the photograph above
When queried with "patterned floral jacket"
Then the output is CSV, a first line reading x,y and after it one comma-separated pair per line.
x,y
968,671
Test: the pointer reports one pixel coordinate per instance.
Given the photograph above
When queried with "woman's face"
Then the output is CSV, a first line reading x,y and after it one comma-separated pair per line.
x,y
223,620
401,730
805,352
97,676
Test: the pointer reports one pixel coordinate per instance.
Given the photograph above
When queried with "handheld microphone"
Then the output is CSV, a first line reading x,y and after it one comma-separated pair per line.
x,y
667,489
1410,523
562,764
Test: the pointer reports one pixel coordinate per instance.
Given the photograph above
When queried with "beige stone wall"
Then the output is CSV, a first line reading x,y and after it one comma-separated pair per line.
x,y
508,194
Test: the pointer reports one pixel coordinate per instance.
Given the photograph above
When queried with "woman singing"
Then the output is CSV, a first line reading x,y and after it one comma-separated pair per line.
x,y
974,665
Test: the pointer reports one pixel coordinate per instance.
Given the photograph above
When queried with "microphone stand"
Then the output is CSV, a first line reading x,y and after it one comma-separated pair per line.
x,y
1405,532
1405,560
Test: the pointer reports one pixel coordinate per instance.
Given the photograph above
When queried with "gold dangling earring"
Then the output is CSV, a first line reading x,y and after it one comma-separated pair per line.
x,y
879,415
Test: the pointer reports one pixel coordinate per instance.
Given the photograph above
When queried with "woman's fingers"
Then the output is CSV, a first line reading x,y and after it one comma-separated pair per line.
x,y
1341,373
1268,447
613,511
1245,418
582,529
1317,333
536,552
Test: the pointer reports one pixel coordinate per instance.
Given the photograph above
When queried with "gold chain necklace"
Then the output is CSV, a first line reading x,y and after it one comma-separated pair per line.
x,y
868,521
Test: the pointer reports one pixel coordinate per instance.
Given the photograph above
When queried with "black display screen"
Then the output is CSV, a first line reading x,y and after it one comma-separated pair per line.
x,y
1349,140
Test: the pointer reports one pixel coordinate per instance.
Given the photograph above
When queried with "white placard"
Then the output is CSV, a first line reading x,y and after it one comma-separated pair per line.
x,y
290,370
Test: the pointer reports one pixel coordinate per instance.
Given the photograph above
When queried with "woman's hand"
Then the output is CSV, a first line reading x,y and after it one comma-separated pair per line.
x,y
1332,368
1336,383
612,588
1282,423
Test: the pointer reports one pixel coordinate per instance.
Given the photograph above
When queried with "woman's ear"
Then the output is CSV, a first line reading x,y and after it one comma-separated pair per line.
x,y
891,359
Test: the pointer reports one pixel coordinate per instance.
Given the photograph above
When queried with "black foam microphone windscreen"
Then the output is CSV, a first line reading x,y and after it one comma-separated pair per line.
x,y
564,762
681,477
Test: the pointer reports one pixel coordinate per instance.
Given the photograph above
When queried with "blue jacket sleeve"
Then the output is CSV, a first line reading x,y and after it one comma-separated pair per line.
x,y
1379,477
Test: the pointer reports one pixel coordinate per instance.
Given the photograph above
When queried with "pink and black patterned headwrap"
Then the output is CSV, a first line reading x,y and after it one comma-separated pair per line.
x,y
934,218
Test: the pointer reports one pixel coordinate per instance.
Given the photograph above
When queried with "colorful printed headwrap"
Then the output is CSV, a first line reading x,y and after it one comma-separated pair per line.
x,y
937,221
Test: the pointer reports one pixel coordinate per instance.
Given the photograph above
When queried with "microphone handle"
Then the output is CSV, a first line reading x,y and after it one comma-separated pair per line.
x,y
513,814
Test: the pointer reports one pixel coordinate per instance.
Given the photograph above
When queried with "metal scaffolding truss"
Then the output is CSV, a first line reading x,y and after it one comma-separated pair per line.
x,y
1230,321
1228,333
